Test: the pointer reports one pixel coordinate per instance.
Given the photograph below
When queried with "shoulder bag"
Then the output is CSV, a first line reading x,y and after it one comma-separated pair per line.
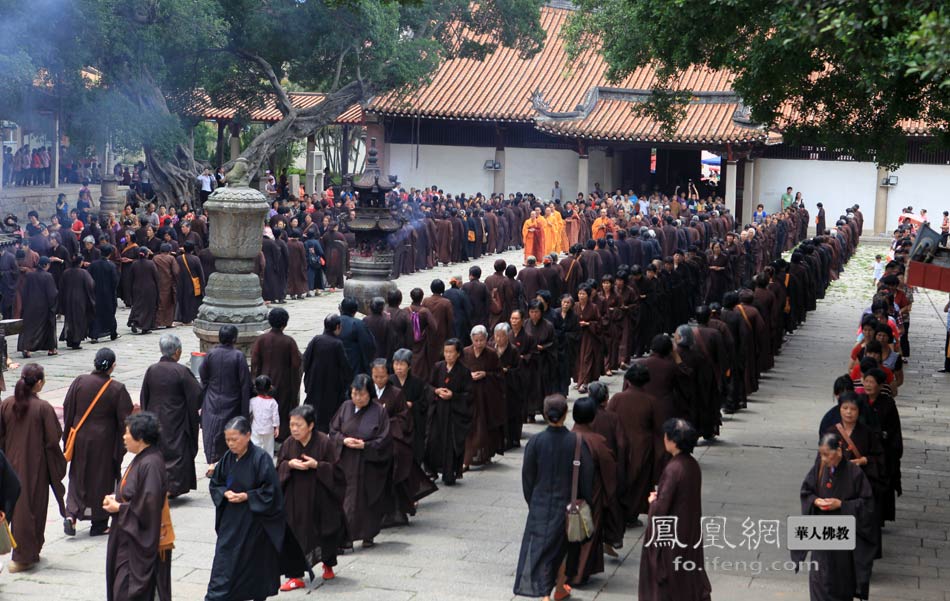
x,y
195,282
579,522
70,447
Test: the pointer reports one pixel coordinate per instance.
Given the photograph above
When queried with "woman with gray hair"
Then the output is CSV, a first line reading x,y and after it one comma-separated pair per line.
x,y
486,436
171,392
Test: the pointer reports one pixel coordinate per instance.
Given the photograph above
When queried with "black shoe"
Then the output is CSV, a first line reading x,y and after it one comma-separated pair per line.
x,y
69,527
134,329
943,371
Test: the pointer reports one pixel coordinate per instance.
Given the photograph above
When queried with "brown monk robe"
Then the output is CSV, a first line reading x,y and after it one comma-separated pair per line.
x,y
486,437
444,244
608,425
276,355
409,482
639,420
167,268
145,293
313,497
501,295
587,558
444,316
590,356
377,323
171,391
573,273
764,300
360,432
97,458
31,441
760,333
424,332
669,385
134,565
296,266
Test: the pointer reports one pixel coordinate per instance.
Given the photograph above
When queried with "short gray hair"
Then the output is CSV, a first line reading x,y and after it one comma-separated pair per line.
x,y
169,345
404,355
686,335
503,327
479,330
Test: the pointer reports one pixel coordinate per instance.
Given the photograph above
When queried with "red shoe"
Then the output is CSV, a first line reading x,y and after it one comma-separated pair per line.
x,y
328,572
292,585
561,596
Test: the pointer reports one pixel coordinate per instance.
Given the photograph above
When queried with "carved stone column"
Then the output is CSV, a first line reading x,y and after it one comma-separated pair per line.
x,y
233,296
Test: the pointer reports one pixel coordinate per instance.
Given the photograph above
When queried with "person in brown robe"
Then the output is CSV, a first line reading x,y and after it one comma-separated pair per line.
x,y
607,424
450,414
409,482
171,392
509,359
360,433
400,334
501,295
590,362
297,286
760,332
444,316
586,559
167,268
30,436
377,322
188,298
144,282
639,420
425,332
678,495
136,566
573,270
314,487
38,292
98,451
274,354
76,301
489,412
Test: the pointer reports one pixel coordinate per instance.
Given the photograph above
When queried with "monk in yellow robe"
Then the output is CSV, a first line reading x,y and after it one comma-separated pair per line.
x,y
561,231
532,232
550,233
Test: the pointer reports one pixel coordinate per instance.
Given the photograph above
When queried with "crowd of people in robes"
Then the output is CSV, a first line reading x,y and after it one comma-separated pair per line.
x,y
670,289
857,471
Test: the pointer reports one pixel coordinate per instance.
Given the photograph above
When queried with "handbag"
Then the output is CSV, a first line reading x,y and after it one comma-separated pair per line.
x,y
7,542
70,447
166,537
579,522
195,282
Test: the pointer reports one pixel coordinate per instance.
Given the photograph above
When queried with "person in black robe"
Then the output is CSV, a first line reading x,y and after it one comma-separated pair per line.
x,y
105,278
39,311
249,520
360,433
326,372
417,398
378,325
77,304
546,476
226,391
314,486
836,487
275,271
143,280
450,415
544,376
189,297
477,293
170,391
677,495
9,275
136,566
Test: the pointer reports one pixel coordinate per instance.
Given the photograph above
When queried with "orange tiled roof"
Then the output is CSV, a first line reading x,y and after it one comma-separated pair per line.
x,y
351,116
714,118
268,113
500,87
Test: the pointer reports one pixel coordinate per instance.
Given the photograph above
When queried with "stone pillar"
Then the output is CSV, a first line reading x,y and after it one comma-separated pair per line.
x,y
498,176
731,175
308,182
582,170
233,295
880,202
109,201
235,130
54,155
318,183
293,181
608,184
748,192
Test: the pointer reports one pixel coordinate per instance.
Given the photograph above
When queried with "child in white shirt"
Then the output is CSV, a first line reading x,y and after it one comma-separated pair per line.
x,y
265,420
878,268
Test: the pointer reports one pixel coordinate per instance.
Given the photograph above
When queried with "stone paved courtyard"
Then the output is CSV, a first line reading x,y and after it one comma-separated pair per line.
x,y
464,542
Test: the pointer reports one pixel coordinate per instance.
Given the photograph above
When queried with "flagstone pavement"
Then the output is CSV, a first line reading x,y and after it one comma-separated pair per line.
x,y
464,542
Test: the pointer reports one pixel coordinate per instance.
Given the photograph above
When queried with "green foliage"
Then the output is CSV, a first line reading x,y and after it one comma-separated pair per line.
x,y
206,141
847,71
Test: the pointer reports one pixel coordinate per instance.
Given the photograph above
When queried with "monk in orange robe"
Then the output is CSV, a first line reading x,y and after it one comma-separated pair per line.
x,y
550,233
532,232
561,245
602,226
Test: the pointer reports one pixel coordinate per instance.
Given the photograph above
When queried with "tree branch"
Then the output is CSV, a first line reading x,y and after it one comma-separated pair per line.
x,y
339,70
283,100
